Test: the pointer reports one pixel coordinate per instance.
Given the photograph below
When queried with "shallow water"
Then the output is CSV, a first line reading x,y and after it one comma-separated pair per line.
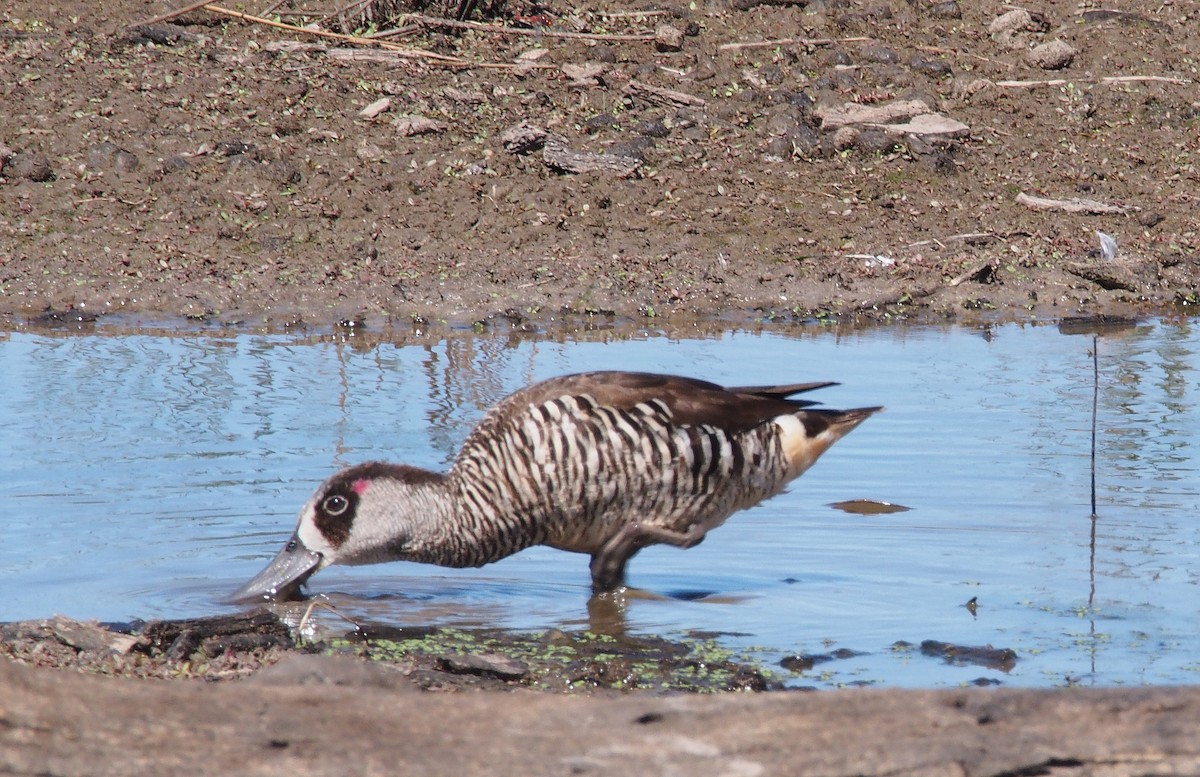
x,y
148,476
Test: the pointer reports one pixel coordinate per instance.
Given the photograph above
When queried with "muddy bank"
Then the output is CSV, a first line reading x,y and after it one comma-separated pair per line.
x,y
239,694
325,716
778,161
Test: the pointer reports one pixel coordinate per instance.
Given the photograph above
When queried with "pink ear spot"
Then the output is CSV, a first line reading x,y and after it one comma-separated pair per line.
x,y
360,486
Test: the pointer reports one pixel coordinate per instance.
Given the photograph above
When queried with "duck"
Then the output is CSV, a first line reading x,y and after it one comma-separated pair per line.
x,y
600,463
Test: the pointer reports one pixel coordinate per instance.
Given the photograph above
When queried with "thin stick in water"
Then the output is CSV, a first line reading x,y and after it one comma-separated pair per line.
x,y
1095,402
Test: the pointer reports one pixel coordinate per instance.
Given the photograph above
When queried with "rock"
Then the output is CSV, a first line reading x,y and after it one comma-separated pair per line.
x,y
874,52
875,141
1052,55
779,147
33,165
844,138
559,156
805,142
411,125
945,10
936,68
653,128
174,163
929,124
600,122
884,113
1150,219
1015,20
375,108
605,54
1002,659
1011,30
968,86
585,75
492,664
668,38
524,138
90,637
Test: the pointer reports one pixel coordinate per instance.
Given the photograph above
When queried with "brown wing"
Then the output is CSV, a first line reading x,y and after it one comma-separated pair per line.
x,y
691,401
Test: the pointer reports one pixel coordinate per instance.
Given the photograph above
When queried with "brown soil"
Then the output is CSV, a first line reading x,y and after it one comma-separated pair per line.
x,y
212,169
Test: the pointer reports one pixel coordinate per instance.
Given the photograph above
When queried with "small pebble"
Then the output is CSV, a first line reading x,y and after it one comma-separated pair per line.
x,y
931,67
33,165
1150,219
1013,21
946,10
1052,55
882,54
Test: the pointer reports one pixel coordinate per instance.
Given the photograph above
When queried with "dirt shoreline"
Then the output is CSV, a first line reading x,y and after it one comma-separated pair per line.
x,y
223,172
266,706
205,172
325,717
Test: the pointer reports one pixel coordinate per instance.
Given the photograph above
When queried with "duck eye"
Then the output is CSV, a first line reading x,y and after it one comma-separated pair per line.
x,y
335,505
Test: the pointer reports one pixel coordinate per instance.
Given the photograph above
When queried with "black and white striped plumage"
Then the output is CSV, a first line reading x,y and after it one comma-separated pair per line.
x,y
602,463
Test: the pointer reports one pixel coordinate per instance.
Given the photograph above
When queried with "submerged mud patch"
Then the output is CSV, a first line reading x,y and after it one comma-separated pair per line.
x,y
436,659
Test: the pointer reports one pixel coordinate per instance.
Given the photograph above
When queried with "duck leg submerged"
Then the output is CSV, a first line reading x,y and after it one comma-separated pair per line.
x,y
608,565
602,463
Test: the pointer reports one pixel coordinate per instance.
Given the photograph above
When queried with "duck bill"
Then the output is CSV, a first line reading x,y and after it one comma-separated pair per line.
x,y
280,580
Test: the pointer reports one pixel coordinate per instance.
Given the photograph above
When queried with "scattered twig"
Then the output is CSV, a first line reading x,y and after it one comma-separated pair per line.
x,y
660,95
433,21
314,604
940,50
1097,15
403,51
395,32
1073,205
630,14
972,238
767,44
901,297
1102,80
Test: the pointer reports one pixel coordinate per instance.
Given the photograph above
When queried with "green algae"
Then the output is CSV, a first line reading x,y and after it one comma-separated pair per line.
x,y
555,660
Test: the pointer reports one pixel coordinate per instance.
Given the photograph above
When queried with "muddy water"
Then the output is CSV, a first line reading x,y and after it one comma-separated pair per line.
x,y
147,476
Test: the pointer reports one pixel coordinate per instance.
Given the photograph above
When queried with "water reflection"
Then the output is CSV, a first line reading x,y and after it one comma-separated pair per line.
x,y
148,476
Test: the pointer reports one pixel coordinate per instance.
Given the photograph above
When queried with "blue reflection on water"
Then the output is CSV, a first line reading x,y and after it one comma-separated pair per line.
x,y
148,476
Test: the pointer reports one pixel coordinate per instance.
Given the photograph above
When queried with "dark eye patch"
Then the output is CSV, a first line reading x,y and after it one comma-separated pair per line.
x,y
335,514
